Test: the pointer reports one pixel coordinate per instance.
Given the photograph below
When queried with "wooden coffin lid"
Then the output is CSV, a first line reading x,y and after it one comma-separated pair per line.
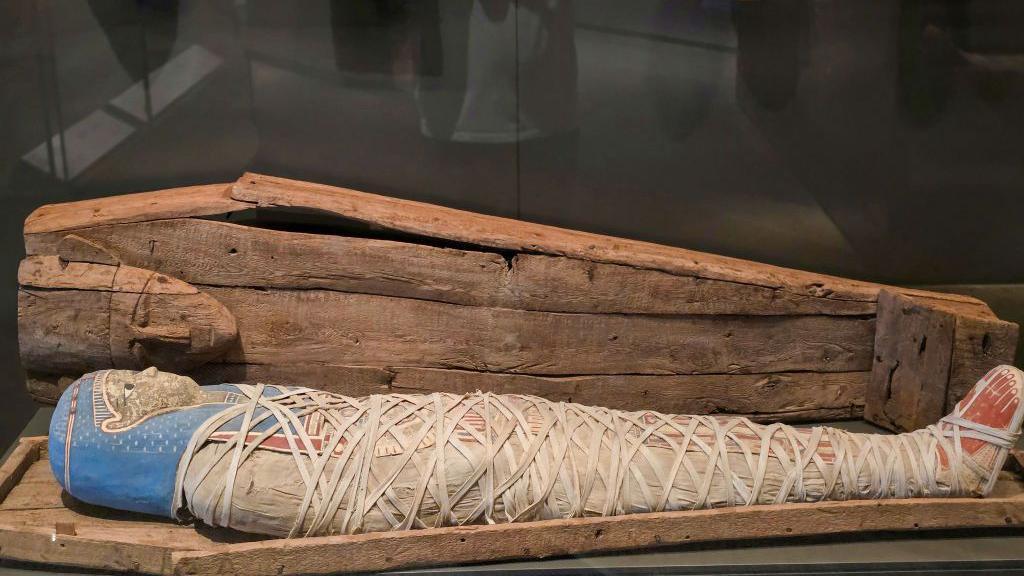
x,y
673,283
407,216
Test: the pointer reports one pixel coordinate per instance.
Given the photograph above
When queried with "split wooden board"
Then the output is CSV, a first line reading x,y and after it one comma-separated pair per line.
x,y
40,524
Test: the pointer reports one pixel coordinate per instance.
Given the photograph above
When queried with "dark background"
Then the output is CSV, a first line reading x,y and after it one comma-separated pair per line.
x,y
881,140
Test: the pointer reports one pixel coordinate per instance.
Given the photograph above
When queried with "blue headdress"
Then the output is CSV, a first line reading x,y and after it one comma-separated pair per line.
x,y
128,469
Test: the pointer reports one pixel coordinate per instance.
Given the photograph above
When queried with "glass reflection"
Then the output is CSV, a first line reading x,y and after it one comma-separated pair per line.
x,y
875,140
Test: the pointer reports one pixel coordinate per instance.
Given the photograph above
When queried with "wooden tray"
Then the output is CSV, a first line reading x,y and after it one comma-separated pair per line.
x,y
39,523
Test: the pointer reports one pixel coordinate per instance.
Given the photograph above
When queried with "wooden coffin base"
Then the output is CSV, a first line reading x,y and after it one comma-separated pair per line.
x,y
38,523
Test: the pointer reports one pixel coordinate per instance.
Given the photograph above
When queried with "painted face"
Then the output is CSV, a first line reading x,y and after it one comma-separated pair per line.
x,y
132,397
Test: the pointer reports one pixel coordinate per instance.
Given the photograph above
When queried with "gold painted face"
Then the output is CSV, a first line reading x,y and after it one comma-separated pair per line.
x,y
135,396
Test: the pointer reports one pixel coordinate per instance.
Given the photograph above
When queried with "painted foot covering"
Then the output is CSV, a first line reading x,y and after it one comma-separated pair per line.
x,y
981,430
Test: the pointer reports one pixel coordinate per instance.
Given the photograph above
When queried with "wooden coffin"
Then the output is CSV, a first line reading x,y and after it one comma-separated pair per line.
x,y
40,524
279,281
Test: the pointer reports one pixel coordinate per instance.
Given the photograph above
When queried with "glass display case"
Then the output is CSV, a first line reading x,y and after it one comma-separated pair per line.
x,y
882,141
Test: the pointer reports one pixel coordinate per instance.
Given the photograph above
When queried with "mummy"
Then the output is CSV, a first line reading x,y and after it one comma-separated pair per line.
x,y
292,461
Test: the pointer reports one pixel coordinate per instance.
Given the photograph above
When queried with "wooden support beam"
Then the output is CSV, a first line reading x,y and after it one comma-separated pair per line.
x,y
910,373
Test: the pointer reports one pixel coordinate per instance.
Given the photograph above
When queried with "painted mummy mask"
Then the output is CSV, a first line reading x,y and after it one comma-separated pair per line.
x,y
291,461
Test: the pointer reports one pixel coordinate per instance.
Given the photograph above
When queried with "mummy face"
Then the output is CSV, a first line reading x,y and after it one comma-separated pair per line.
x,y
132,397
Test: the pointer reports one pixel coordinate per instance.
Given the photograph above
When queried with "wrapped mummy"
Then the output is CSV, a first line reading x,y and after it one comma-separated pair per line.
x,y
289,461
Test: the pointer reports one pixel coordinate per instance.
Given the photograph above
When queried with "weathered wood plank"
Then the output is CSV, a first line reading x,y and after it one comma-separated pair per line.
x,y
35,491
72,248
764,397
42,545
172,203
254,190
64,331
446,546
503,233
31,536
18,462
316,326
224,254
52,272
913,350
979,344
559,284
77,317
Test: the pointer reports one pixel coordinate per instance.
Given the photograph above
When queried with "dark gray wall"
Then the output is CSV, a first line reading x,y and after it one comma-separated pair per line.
x,y
880,140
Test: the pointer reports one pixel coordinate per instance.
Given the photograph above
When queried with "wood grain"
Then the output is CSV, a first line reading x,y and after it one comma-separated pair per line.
x,y
503,233
73,248
254,190
77,317
979,344
559,284
171,203
913,350
224,254
64,331
316,326
447,546
25,453
791,397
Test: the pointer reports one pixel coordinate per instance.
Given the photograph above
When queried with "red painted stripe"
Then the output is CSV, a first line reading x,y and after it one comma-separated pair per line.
x,y
67,437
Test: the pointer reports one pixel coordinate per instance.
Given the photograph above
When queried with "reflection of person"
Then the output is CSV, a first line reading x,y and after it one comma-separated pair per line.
x,y
505,99
510,72
300,462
